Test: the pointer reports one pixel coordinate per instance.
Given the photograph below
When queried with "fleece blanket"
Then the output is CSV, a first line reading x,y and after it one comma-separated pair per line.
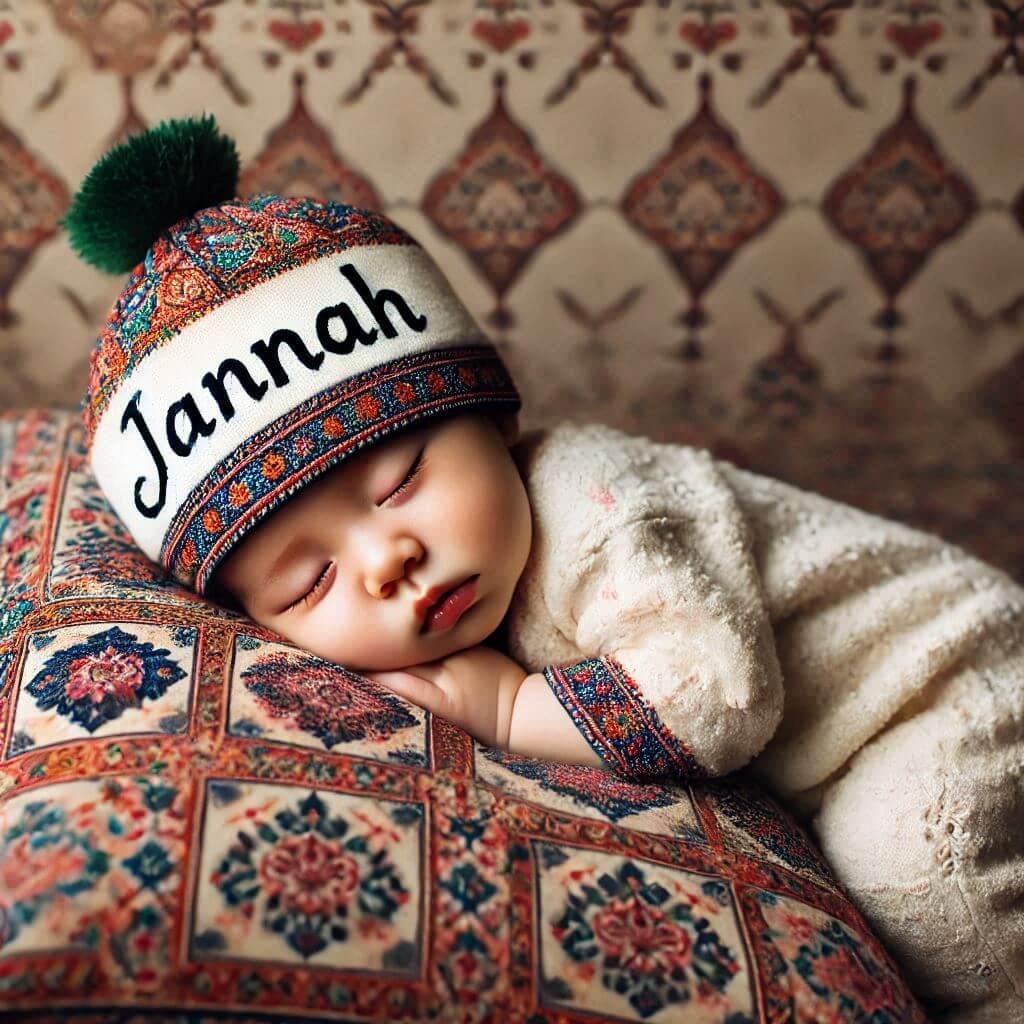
x,y
695,618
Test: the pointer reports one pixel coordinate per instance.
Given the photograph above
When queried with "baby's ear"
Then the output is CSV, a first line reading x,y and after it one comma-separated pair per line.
x,y
218,593
509,426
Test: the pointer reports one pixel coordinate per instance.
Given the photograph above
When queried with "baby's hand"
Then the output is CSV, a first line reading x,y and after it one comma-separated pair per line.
x,y
475,688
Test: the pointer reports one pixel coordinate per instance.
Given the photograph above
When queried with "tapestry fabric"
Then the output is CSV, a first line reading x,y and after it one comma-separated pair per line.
x,y
790,229
199,822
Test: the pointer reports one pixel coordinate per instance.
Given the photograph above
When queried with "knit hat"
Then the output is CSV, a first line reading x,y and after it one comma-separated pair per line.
x,y
257,343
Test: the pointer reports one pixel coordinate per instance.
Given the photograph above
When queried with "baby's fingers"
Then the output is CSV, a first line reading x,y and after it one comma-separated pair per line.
x,y
420,691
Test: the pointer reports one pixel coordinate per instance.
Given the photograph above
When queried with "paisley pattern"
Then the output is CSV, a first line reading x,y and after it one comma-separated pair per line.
x,y
200,822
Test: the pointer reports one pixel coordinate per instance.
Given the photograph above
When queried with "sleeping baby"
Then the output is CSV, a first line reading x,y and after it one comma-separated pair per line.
x,y
665,613
295,415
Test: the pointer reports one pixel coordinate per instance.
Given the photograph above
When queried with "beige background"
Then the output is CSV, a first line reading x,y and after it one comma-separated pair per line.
x,y
507,136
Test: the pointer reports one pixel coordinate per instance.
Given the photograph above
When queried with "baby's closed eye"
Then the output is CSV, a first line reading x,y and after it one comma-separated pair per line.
x,y
329,571
409,477
322,581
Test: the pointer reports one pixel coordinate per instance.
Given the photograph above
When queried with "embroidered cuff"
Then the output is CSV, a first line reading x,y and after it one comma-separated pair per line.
x,y
618,721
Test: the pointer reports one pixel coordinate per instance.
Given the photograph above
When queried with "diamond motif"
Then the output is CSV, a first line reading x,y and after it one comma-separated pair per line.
x,y
499,201
34,198
702,200
900,201
299,159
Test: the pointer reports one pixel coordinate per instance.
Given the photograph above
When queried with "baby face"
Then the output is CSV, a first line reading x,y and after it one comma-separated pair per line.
x,y
339,568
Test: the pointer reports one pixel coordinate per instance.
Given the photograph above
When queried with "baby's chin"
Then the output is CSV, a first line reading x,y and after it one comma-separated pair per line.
x,y
363,665
435,649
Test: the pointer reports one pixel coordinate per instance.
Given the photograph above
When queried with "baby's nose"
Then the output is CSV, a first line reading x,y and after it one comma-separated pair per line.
x,y
389,581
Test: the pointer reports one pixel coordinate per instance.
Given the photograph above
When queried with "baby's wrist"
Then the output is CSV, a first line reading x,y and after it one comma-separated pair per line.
x,y
519,712
540,727
508,693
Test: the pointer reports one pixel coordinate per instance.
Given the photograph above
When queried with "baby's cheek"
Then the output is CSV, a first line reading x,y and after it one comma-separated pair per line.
x,y
356,646
461,526
494,525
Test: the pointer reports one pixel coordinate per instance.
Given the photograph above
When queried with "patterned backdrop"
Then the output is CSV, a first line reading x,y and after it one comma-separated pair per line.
x,y
789,230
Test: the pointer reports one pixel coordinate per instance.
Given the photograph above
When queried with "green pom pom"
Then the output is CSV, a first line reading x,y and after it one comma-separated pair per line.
x,y
144,185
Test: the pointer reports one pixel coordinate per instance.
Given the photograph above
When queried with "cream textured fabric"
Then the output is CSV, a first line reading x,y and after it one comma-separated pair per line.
x,y
869,672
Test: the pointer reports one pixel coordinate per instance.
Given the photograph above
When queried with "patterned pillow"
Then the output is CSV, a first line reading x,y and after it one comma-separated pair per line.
x,y
202,822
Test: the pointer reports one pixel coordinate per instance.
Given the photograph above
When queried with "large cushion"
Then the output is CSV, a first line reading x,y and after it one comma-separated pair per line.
x,y
196,817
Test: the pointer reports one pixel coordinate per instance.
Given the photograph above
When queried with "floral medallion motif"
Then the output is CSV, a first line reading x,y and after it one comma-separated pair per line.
x,y
325,701
654,937
94,554
313,872
43,859
93,865
612,796
747,815
96,681
830,973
